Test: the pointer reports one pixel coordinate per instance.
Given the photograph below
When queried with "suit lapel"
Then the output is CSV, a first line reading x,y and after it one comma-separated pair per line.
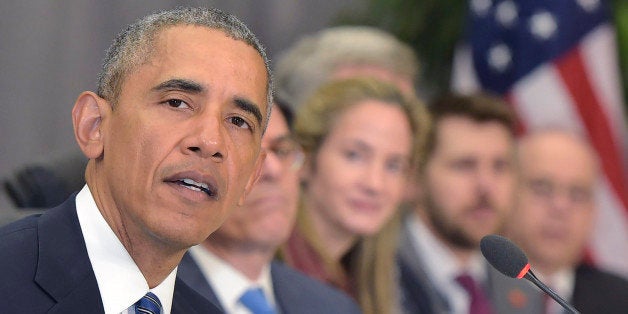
x,y
284,293
187,301
64,270
191,274
420,289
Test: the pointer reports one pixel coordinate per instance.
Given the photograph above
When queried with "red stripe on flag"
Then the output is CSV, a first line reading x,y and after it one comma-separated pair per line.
x,y
574,75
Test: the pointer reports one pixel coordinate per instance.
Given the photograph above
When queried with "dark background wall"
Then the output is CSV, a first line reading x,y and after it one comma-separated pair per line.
x,y
50,51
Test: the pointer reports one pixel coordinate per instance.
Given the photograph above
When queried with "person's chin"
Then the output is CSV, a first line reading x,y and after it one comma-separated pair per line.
x,y
367,229
186,237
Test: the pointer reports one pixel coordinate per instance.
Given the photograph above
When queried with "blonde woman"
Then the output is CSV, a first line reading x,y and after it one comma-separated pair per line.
x,y
361,138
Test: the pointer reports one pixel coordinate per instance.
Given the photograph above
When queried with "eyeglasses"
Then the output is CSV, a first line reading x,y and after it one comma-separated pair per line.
x,y
287,151
547,190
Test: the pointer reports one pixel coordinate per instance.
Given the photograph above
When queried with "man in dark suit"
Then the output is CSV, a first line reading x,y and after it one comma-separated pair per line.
x,y
466,185
173,139
238,257
553,220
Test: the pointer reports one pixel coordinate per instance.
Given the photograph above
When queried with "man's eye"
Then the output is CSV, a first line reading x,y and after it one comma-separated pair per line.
x,y
239,122
396,166
177,103
541,188
352,155
463,165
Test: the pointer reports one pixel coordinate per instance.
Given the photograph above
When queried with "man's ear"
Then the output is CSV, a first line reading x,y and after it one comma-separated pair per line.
x,y
87,116
259,164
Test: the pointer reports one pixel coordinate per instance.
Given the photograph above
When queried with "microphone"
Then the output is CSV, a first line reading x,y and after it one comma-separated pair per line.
x,y
510,260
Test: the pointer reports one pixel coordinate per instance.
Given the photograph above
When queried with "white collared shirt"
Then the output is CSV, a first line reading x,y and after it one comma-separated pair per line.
x,y
442,267
120,281
228,283
562,282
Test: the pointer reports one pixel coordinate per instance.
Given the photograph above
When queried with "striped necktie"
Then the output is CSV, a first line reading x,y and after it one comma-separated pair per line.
x,y
254,300
148,304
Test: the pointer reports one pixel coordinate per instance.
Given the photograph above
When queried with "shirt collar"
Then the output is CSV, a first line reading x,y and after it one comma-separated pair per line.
x,y
120,281
227,282
440,261
561,281
442,266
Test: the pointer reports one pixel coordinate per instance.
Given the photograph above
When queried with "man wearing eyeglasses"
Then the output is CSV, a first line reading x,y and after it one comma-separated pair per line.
x,y
234,267
553,219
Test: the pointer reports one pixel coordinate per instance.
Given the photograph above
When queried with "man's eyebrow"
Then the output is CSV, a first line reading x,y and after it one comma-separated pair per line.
x,y
180,84
250,107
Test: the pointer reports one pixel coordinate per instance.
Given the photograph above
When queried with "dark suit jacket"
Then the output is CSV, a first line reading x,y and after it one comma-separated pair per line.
x,y
597,291
420,295
44,268
294,292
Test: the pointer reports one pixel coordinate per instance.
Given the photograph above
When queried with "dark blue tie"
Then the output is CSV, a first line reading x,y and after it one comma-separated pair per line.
x,y
255,301
148,304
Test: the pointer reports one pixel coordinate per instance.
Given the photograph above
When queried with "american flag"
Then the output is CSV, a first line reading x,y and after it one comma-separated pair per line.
x,y
555,61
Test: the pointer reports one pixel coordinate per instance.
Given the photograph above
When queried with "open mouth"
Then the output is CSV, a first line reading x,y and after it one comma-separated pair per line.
x,y
197,186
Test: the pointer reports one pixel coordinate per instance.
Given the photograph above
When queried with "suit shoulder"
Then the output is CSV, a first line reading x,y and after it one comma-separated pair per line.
x,y
599,278
25,223
18,237
598,291
18,263
309,294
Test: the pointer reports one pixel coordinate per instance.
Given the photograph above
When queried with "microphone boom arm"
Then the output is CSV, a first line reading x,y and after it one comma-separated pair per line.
x,y
531,277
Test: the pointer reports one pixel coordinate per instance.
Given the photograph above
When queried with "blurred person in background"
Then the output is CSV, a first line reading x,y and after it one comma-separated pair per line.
x,y
466,182
239,255
344,52
360,136
553,220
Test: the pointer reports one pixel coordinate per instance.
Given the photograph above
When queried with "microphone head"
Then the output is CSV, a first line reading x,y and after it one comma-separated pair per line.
x,y
505,256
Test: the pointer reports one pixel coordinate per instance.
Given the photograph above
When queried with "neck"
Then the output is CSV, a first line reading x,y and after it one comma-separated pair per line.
x,y
334,241
154,258
155,267
546,270
248,260
461,254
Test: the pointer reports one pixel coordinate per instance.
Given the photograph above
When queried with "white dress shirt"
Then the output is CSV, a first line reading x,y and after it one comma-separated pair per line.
x,y
562,282
442,267
228,283
120,281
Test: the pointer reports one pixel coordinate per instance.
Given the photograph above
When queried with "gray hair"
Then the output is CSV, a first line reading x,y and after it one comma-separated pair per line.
x,y
133,46
311,61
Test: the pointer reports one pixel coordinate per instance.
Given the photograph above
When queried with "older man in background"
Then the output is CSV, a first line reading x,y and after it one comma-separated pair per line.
x,y
553,220
344,52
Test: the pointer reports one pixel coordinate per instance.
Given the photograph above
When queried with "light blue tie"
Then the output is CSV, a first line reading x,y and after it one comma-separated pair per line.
x,y
148,304
255,301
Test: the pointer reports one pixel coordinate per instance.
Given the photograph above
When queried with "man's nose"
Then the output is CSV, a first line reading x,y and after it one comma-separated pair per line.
x,y
272,167
486,179
206,139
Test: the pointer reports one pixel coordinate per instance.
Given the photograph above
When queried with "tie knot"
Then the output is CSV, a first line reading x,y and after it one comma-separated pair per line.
x,y
148,304
256,302
467,282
